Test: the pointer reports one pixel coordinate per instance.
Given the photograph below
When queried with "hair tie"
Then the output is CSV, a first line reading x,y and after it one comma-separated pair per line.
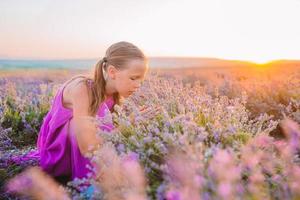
x,y
104,59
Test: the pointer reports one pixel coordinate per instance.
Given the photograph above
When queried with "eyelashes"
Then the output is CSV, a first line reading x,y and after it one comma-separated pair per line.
x,y
134,78
137,78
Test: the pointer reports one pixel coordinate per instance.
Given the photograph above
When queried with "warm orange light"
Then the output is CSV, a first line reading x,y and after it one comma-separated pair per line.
x,y
263,67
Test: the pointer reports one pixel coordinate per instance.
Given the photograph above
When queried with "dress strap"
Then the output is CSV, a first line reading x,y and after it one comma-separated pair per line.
x,y
90,82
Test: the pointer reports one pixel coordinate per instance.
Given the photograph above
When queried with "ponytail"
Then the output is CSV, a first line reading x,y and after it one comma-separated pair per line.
x,y
98,88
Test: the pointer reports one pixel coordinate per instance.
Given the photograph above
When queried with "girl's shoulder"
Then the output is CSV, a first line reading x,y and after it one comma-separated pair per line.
x,y
75,89
78,82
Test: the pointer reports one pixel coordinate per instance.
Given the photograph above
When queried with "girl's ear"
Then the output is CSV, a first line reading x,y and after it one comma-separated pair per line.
x,y
111,71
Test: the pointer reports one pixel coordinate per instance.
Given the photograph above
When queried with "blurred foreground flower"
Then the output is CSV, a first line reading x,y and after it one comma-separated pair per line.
x,y
184,181
292,132
33,182
119,177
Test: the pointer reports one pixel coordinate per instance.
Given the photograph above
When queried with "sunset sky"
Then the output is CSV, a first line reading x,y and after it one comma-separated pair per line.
x,y
252,30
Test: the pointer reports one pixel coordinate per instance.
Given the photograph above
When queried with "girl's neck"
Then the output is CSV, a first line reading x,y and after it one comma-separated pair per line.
x,y
109,90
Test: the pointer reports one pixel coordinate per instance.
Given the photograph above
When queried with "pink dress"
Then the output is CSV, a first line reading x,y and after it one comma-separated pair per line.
x,y
57,146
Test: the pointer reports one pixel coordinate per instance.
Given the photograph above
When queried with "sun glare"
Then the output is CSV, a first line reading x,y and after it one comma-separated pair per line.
x,y
262,61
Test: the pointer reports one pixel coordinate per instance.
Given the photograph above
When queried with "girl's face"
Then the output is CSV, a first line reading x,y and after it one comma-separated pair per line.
x,y
128,80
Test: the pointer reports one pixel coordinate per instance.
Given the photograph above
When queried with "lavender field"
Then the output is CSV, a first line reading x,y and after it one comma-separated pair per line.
x,y
222,133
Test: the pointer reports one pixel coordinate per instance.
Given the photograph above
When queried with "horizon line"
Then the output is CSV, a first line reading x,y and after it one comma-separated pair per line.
x,y
152,57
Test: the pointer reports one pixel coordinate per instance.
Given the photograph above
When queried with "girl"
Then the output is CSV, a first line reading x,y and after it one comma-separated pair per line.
x,y
64,138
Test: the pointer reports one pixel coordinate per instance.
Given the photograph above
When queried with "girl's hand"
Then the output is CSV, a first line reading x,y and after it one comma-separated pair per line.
x,y
149,112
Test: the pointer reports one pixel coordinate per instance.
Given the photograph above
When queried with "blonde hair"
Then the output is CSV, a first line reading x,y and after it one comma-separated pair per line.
x,y
118,55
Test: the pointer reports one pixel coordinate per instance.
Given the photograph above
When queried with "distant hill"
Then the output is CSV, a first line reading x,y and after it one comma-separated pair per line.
x,y
195,62
154,62
212,62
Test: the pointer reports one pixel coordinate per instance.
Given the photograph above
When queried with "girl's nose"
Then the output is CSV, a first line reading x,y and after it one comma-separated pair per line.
x,y
137,85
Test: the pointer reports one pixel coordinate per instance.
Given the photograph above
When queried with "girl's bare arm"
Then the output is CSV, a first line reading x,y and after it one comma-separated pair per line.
x,y
84,123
